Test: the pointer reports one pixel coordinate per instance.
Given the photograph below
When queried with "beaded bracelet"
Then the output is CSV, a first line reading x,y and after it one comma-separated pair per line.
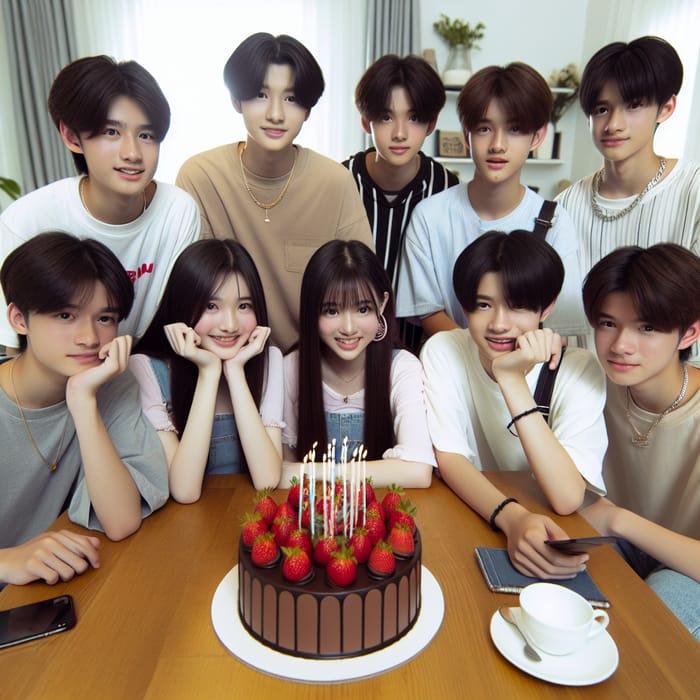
x,y
516,418
497,510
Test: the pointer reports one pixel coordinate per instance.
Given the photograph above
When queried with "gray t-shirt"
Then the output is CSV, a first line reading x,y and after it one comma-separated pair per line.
x,y
32,497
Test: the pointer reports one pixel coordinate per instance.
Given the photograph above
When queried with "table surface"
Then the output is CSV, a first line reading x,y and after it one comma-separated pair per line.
x,y
144,625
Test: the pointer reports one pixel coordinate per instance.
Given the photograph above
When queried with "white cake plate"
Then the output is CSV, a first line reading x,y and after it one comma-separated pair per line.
x,y
229,629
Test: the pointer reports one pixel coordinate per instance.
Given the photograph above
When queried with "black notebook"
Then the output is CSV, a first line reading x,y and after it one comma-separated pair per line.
x,y
502,577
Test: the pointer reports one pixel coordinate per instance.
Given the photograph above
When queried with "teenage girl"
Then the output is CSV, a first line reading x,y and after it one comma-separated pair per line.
x,y
347,378
211,388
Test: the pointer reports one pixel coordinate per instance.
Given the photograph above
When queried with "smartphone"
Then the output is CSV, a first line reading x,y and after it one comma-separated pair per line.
x,y
579,545
36,620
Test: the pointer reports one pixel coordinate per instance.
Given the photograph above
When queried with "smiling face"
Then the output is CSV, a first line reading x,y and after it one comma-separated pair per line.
x,y
122,157
498,146
397,134
346,331
493,325
273,118
631,351
620,129
65,342
228,315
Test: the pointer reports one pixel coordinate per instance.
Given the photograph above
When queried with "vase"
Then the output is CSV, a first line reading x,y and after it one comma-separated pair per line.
x,y
458,68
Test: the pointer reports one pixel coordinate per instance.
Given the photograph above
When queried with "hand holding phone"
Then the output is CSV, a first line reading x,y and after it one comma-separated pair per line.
x,y
36,620
580,545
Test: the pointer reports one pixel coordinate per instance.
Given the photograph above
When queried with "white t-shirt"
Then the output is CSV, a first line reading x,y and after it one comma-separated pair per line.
x,y
443,225
406,399
147,247
468,415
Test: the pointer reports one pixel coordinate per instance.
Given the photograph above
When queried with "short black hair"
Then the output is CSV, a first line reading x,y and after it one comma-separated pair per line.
x,y
413,73
245,69
647,68
531,269
84,90
47,273
663,282
525,94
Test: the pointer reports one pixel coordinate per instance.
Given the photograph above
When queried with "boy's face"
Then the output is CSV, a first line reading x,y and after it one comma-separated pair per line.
x,y
398,135
631,351
495,326
67,341
622,129
273,118
498,147
122,158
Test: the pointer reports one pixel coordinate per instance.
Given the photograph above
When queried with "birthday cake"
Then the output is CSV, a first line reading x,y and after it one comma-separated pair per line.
x,y
324,615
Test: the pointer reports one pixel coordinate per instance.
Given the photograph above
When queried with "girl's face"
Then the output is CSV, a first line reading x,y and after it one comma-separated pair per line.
x,y
347,331
229,314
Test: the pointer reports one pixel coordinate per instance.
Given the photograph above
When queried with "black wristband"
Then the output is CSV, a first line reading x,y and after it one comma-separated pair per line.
x,y
497,510
516,418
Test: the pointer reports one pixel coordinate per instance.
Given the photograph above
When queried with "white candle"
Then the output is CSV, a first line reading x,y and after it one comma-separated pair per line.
x,y
301,488
364,490
325,499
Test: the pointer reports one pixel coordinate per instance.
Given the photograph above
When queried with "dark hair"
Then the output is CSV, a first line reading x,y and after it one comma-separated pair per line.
x,y
344,273
423,85
196,275
531,270
647,68
83,92
244,72
525,94
663,282
49,271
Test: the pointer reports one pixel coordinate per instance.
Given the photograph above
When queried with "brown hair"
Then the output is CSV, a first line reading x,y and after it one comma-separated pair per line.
x,y
525,95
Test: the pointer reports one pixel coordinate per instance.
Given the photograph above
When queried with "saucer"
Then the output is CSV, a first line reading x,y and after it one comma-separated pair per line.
x,y
592,664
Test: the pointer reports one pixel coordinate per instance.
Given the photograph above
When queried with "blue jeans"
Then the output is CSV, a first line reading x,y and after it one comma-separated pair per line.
x,y
342,425
225,447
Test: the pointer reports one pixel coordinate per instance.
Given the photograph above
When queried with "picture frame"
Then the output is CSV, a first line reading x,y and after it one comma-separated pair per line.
x,y
451,144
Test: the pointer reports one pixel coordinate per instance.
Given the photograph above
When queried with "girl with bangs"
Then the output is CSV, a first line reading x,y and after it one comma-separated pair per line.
x,y
210,386
348,377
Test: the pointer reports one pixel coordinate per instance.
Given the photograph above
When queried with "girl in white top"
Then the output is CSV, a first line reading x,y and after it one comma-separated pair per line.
x,y
208,384
347,378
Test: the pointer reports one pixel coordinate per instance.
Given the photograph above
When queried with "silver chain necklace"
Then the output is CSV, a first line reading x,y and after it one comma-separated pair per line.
x,y
595,188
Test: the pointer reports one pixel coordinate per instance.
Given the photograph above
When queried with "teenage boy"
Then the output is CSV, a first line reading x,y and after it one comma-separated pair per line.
x,y
504,113
644,305
480,387
112,117
280,201
399,100
71,427
638,197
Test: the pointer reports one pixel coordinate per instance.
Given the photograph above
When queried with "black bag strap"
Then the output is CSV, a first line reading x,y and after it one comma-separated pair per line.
x,y
545,219
545,386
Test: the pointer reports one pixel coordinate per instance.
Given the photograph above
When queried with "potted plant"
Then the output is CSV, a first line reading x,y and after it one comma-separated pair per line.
x,y
461,38
9,187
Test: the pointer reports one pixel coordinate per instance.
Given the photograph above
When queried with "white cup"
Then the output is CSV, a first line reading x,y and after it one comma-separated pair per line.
x,y
557,620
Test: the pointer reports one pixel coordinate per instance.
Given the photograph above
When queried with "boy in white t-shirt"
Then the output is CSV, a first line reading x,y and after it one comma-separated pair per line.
x,y
480,387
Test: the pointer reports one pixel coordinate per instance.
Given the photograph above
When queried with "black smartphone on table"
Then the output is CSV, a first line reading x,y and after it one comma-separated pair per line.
x,y
580,545
36,620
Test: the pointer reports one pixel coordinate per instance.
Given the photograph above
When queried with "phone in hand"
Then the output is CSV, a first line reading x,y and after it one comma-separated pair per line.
x,y
36,620
580,545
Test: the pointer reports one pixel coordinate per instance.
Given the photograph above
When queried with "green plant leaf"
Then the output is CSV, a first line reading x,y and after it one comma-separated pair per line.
x,y
10,187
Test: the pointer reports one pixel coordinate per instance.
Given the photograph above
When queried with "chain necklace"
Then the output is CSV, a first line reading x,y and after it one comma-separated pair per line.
x,y
277,199
642,439
51,465
81,192
619,214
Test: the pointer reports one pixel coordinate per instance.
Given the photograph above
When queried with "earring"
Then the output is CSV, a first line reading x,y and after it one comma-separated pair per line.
x,y
381,331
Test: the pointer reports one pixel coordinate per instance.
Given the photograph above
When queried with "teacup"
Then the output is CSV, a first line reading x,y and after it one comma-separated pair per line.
x,y
557,620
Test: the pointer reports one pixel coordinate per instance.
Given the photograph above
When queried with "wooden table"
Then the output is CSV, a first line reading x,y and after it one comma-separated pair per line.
x,y
144,628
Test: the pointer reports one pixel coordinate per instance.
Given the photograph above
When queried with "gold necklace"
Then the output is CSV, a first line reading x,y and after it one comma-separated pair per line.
x,y
279,197
642,439
51,465
81,190
595,188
